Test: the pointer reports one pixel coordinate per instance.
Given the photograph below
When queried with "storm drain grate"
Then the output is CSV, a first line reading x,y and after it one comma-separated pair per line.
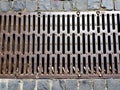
x,y
60,45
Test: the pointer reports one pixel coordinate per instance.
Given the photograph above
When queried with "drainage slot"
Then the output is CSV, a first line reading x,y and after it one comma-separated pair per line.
x,y
53,43
0,22
68,43
7,64
118,22
28,43
116,64
100,63
33,65
29,20
73,43
105,65
88,23
22,66
38,43
43,64
43,43
119,42
93,22
88,43
110,63
89,64
13,44
33,43
114,42
63,43
12,65
9,24
53,22
18,43
63,63
103,22
104,43
74,68
14,23
48,43
63,22
98,24
48,62
99,44
108,23
58,63
83,40
78,24
94,44
58,24
8,44
79,62
24,22
23,44
94,64
78,43
5,22
58,43
53,65
68,23
19,25
84,65
2,65
83,22
38,25
34,22
73,22
38,58
109,42
48,28
68,60
43,23
113,21
3,43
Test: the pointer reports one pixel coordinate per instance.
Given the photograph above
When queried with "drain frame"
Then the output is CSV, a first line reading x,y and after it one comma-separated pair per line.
x,y
73,25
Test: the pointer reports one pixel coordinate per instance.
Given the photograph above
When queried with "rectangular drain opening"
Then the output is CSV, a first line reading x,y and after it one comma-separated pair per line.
x,y
60,45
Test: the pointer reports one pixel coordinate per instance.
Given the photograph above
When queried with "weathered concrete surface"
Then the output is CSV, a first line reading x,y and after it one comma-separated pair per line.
x,y
58,5
31,5
5,6
117,4
59,84
107,4
19,5
93,4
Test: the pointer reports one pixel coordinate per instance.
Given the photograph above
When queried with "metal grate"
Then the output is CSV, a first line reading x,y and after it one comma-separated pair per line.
x,y
60,45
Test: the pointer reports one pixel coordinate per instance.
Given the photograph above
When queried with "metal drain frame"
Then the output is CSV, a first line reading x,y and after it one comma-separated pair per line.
x,y
58,31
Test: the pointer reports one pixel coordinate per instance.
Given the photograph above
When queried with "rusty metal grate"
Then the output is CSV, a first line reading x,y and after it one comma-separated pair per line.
x,y
60,45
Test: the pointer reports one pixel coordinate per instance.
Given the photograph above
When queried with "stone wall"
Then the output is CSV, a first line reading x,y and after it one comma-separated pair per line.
x,y
58,5
60,84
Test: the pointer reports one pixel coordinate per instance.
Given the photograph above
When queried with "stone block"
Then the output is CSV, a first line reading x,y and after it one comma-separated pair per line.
x,y
71,84
85,84
58,85
13,84
29,84
5,6
19,5
93,4
43,84
107,4
31,6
